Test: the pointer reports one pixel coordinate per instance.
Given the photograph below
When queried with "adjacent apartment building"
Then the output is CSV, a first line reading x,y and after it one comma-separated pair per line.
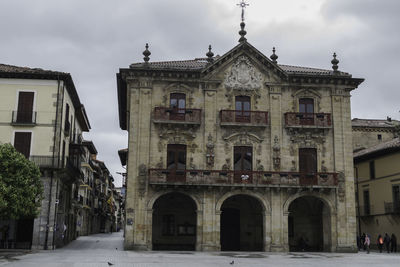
x,y
237,152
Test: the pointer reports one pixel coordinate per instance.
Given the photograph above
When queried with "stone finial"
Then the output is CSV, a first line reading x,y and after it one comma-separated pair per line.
x,y
242,32
335,63
274,56
146,54
210,55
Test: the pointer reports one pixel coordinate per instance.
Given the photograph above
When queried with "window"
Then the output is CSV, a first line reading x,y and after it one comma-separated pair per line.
x,y
176,162
396,198
178,105
25,107
372,169
22,143
242,107
379,137
67,125
306,108
367,207
308,161
243,163
168,224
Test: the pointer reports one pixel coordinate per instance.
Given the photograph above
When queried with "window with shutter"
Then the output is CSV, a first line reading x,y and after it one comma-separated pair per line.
x,y
22,143
25,107
308,165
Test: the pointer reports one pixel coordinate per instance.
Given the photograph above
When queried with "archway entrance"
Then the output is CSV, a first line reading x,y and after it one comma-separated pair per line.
x,y
174,222
241,224
309,225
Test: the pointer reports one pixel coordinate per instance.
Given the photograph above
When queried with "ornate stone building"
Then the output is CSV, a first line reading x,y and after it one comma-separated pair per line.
x,y
238,152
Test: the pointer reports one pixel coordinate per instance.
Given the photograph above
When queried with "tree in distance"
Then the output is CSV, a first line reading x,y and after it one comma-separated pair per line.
x,y
21,188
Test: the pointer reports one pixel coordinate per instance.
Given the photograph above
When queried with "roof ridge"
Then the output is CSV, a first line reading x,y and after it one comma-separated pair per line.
x,y
303,67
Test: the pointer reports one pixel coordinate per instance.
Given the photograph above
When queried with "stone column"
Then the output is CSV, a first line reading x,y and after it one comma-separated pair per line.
x,y
210,229
267,230
199,229
277,221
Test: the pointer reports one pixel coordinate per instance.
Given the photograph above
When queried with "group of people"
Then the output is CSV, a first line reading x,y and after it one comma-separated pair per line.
x,y
389,242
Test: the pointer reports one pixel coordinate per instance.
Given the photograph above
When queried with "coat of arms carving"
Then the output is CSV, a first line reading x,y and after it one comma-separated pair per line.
x,y
243,75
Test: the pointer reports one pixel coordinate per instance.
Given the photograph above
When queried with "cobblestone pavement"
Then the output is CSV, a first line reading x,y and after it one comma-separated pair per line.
x,y
98,250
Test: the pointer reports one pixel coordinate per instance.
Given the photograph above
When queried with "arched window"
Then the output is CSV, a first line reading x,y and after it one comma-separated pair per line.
x,y
178,105
242,107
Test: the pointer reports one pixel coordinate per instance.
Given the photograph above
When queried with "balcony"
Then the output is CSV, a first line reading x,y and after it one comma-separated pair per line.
x,y
23,118
365,211
240,178
73,168
46,162
392,207
308,120
177,115
243,118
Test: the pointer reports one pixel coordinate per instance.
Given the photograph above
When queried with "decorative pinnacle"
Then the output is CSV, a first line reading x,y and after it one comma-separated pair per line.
x,y
274,57
335,63
242,5
146,54
242,32
210,55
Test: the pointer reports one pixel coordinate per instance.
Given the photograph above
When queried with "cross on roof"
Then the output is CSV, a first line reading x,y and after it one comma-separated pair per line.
x,y
243,5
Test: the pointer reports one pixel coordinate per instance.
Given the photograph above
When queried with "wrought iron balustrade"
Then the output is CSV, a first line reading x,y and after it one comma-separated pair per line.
x,y
258,118
19,117
179,115
295,119
366,210
392,207
229,177
46,161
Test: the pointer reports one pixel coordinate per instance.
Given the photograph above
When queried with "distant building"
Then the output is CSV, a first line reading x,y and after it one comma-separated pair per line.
x,y
237,152
370,132
377,172
42,116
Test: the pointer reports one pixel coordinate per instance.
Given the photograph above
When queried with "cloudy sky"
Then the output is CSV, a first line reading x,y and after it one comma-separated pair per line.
x,y
92,39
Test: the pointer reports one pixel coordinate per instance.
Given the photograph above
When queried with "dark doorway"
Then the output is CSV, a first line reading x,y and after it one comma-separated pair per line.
x,y
243,163
178,105
174,222
241,224
308,165
309,225
306,108
242,109
176,163
24,234
22,143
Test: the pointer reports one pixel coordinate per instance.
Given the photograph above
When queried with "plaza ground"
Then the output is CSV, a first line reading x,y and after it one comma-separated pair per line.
x,y
98,250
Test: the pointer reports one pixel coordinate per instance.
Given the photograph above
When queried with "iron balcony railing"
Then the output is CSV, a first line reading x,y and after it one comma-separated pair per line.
x,y
259,118
392,207
46,161
366,210
295,119
229,177
180,115
19,117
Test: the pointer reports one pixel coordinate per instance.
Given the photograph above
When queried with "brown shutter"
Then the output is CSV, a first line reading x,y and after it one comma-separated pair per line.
x,y
22,143
25,107
308,160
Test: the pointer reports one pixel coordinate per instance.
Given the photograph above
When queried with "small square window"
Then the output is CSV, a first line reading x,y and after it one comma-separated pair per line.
x,y
379,137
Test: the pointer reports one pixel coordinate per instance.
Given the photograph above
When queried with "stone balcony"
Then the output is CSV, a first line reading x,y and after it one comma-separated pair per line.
x,y
308,120
243,118
165,177
177,116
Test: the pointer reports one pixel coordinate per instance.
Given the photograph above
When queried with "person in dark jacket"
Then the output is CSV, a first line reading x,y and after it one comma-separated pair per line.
x,y
363,241
386,241
393,243
379,242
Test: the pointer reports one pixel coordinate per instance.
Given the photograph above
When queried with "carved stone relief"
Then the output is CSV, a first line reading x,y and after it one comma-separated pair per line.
x,y
210,152
307,138
227,164
276,148
142,179
259,166
243,75
170,135
342,187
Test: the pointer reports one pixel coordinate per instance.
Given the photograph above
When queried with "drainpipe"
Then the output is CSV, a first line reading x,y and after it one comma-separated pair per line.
x,y
52,172
358,203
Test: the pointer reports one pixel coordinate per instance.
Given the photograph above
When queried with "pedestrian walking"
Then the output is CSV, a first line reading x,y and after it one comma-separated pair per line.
x,y
393,243
380,243
367,242
358,242
386,241
363,241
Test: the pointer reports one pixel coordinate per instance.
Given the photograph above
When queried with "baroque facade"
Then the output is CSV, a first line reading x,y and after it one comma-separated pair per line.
x,y
237,152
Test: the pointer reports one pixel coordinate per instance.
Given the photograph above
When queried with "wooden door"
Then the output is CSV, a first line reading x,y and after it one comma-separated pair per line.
x,y
25,107
242,109
243,164
308,165
176,163
306,108
178,105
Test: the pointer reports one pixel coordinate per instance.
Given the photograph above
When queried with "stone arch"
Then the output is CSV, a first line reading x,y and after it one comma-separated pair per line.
x,y
264,204
157,195
320,196
178,88
306,93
